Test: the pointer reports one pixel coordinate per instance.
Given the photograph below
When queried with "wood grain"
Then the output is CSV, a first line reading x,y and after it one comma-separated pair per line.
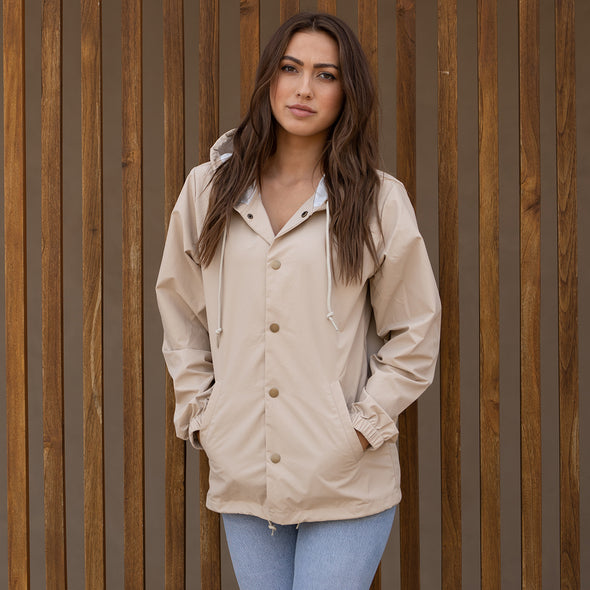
x,y
530,294
208,132
489,295
249,49
288,8
210,531
132,282
450,398
328,6
569,428
208,76
368,36
92,274
409,510
376,583
174,146
52,295
15,285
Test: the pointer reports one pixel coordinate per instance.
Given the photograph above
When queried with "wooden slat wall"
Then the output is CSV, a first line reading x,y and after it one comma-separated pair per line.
x,y
174,146
409,510
288,8
17,467
208,132
569,428
450,399
132,281
132,284
52,295
249,49
328,6
92,271
530,293
489,295
368,36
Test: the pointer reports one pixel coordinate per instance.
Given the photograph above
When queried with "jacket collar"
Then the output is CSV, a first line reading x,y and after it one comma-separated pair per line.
x,y
319,198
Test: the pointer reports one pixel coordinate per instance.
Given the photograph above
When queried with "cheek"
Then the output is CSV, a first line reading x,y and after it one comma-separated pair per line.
x,y
273,97
335,102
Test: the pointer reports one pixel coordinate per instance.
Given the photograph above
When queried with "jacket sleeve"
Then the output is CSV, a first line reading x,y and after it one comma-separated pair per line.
x,y
181,301
406,308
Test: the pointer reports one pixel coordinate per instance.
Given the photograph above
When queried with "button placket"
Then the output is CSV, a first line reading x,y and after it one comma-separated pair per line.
x,y
275,317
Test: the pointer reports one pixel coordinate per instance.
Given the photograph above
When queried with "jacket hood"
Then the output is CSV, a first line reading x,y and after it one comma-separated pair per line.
x,y
222,149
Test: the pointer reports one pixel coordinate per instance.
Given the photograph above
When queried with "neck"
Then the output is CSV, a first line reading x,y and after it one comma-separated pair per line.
x,y
297,158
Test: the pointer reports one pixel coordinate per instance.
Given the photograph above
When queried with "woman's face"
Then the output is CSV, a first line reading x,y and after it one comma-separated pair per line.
x,y
306,95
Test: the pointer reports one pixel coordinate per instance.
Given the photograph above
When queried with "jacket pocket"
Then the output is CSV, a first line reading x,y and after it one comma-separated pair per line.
x,y
347,428
209,413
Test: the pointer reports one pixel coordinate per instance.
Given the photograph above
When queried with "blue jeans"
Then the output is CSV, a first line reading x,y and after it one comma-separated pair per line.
x,y
335,554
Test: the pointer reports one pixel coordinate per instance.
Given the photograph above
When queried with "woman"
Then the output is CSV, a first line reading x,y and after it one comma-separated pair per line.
x,y
301,317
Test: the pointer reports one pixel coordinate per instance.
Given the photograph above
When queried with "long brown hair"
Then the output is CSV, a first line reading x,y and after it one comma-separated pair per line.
x,y
349,159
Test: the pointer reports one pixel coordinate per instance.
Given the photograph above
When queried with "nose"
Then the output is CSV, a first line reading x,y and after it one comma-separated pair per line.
x,y
304,89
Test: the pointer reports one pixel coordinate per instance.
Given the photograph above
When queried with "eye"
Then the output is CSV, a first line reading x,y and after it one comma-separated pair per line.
x,y
326,76
288,68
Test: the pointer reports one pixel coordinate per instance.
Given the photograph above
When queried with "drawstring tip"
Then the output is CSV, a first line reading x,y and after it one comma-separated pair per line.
x,y
272,527
330,316
218,333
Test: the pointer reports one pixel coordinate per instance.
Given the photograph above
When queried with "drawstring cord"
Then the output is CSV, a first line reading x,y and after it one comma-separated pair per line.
x,y
330,314
272,527
220,286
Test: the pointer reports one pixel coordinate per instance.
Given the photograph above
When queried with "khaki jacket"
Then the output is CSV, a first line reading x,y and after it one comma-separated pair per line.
x,y
276,363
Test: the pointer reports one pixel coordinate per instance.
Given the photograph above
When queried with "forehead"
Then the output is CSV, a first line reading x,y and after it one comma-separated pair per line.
x,y
313,46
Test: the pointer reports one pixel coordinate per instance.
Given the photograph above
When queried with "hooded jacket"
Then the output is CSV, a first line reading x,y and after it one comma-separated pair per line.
x,y
276,364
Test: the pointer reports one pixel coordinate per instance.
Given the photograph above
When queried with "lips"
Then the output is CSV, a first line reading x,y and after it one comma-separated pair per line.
x,y
301,110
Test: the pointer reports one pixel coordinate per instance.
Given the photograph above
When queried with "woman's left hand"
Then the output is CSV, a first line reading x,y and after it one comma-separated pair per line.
x,y
364,442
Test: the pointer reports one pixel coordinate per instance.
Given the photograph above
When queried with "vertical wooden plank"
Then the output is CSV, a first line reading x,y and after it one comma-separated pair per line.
x,y
367,28
328,6
489,295
15,285
132,281
249,49
409,510
92,272
52,295
367,32
174,145
569,429
376,583
288,8
208,132
530,293
450,402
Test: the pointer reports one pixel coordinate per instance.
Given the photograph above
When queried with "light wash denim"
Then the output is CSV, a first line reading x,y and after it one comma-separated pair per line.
x,y
330,555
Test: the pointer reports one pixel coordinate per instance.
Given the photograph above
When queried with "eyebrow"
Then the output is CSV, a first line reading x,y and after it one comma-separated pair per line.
x,y
318,66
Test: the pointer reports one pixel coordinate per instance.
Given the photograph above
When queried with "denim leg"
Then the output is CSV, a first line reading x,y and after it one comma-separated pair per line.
x,y
342,554
262,557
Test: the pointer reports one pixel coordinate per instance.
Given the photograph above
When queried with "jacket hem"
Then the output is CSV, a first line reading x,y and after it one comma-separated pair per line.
x,y
355,509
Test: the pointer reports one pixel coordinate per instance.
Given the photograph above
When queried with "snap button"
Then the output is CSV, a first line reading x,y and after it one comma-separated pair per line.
x,y
275,457
274,328
304,214
273,392
275,264
250,216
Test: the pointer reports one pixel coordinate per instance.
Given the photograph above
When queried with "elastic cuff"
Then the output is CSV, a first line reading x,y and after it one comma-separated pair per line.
x,y
367,429
193,428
